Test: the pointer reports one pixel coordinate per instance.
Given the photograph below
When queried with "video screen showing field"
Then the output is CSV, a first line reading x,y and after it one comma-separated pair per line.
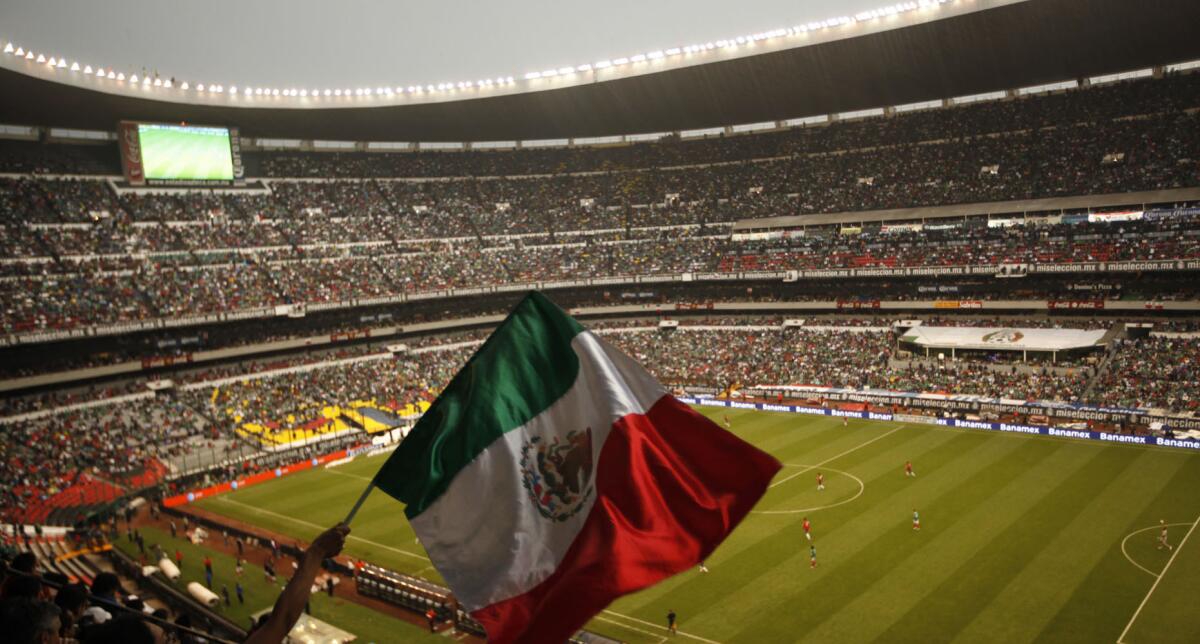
x,y
184,153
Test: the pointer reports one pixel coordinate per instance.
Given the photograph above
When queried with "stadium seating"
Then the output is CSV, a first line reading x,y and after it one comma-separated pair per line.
x,y
164,256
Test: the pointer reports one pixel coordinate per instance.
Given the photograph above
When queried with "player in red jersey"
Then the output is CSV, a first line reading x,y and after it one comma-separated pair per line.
x,y
908,470
820,482
807,527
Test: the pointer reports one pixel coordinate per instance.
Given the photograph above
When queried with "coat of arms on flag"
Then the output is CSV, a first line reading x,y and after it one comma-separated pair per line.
x,y
558,474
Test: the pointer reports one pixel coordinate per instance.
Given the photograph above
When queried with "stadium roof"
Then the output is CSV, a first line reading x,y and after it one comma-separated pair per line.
x,y
972,47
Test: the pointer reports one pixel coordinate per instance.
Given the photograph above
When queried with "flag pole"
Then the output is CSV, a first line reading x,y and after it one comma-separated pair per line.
x,y
359,502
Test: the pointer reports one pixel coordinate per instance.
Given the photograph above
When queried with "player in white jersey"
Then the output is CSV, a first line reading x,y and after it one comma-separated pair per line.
x,y
1162,535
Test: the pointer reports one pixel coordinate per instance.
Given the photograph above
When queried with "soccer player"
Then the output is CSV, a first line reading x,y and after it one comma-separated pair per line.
x,y
812,556
820,482
1162,536
671,621
845,422
807,529
703,568
916,520
908,470
727,425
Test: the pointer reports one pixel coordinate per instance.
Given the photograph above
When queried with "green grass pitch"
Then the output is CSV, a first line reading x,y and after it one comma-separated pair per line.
x,y
1023,539
174,152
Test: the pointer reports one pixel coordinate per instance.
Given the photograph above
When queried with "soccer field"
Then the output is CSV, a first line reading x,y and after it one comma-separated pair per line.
x,y
1022,539
186,153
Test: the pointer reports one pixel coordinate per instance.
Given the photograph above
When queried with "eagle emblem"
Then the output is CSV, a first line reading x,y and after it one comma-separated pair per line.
x,y
1004,336
557,474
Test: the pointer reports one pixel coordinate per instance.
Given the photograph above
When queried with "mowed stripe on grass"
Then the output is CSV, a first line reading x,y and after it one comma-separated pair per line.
x,y
1021,537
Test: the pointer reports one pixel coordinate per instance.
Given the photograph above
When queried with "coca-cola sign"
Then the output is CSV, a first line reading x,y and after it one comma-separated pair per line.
x,y
131,153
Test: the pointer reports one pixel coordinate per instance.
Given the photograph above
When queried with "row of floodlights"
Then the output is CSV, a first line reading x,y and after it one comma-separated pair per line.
x,y
146,81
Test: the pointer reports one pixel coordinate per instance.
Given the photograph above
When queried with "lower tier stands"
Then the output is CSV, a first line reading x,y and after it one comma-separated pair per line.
x,y
361,396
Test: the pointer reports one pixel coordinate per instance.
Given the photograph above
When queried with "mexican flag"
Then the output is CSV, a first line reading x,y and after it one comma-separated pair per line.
x,y
554,474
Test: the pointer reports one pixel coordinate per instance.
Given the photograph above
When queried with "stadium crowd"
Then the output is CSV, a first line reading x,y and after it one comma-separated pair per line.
x,y
135,442
88,291
79,254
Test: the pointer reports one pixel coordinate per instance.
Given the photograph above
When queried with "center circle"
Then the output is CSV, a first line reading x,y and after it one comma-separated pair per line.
x,y
854,497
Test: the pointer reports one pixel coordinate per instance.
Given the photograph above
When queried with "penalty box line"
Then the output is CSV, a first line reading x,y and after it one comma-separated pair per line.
x,y
834,458
1146,599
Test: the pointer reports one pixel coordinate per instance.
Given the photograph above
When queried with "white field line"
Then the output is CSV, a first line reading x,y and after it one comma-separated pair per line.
x,y
348,475
285,517
834,458
659,627
631,628
1178,549
862,487
1128,536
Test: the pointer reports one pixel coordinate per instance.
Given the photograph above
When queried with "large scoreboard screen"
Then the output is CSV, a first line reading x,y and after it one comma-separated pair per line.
x,y
166,154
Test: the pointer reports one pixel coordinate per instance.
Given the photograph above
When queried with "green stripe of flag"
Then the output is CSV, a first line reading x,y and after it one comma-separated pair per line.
x,y
525,366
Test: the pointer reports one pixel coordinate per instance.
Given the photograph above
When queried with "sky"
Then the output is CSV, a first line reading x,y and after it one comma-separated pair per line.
x,y
353,43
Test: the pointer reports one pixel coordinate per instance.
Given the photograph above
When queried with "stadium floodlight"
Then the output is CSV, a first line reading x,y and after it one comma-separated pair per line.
x,y
111,75
566,70
40,58
337,92
29,55
533,75
303,93
584,68
157,82
167,83
87,69
550,72
121,76
75,66
184,85
146,80
620,61
62,62
674,51
638,58
655,55
274,92
52,62
8,48
199,87
20,51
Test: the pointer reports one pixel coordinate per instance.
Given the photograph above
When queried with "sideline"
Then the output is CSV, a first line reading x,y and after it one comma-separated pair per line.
x,y
223,499
659,627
